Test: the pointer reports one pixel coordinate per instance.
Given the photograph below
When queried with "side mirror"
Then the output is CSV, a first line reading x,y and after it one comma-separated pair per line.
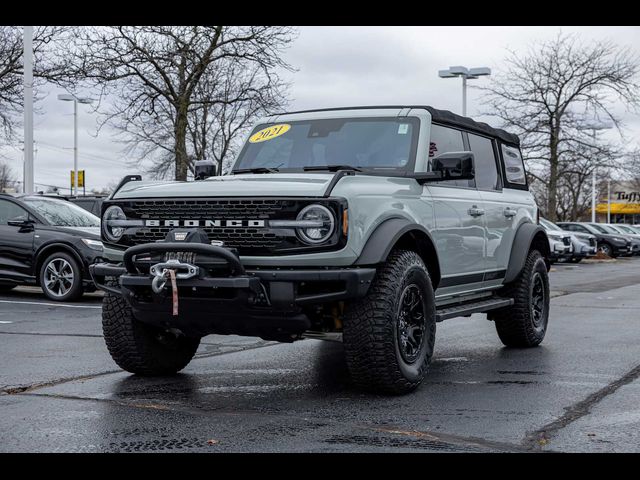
x,y
24,224
205,169
455,165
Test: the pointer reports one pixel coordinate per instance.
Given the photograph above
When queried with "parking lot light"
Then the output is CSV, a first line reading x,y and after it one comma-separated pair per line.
x,y
466,74
66,97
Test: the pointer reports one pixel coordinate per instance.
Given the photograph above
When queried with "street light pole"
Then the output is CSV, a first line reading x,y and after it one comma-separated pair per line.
x,y
608,200
27,184
593,185
466,74
71,98
464,96
75,147
594,127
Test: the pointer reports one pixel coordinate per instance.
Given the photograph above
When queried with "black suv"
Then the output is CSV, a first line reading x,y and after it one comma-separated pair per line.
x,y
609,244
48,242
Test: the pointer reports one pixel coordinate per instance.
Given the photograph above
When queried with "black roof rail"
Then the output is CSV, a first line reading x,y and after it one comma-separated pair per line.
x,y
123,182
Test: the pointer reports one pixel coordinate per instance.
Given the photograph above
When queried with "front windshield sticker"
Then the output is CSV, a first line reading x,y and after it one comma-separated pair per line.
x,y
403,128
269,133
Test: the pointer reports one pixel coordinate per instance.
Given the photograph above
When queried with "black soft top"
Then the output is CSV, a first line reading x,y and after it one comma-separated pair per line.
x,y
444,117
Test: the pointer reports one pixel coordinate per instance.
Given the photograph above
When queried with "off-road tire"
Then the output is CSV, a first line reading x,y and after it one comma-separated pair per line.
x,y
76,290
140,348
516,324
371,328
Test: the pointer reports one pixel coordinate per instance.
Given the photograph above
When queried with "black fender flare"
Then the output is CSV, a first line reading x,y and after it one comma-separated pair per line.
x,y
384,237
522,241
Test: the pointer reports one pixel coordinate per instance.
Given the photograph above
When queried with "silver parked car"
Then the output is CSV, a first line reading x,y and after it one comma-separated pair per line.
x,y
584,244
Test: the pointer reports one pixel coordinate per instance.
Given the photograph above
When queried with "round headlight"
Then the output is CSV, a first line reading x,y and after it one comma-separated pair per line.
x,y
112,233
324,224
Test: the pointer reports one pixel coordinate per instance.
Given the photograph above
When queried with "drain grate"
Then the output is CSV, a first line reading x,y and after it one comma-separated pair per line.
x,y
157,445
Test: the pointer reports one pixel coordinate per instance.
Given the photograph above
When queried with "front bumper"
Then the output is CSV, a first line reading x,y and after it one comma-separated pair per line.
x,y
560,250
270,303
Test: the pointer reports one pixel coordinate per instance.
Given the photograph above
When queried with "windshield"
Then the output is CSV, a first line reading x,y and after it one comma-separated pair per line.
x,y
625,229
549,225
62,213
367,143
602,228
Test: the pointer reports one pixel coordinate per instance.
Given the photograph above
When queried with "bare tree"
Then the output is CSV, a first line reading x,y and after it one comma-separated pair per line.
x,y
11,70
158,76
549,97
243,94
7,178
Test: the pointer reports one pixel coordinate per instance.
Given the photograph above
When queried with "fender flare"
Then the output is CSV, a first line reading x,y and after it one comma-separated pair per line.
x,y
522,242
384,237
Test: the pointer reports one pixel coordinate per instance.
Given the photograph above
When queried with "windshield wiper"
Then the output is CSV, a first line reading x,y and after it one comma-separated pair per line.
x,y
255,170
331,168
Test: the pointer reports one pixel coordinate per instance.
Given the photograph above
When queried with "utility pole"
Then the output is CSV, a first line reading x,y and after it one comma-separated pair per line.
x,y
28,109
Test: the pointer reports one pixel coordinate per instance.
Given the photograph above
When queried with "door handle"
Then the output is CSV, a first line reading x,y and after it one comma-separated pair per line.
x,y
475,211
509,213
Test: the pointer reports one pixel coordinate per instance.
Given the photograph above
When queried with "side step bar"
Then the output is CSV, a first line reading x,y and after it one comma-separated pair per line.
x,y
468,308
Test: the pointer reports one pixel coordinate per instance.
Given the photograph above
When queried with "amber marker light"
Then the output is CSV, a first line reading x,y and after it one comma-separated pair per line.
x,y
345,222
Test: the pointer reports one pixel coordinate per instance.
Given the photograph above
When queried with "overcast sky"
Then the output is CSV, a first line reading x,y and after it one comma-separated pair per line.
x,y
336,66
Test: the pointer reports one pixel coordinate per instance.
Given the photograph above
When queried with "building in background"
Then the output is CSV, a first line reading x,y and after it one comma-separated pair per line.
x,y
625,203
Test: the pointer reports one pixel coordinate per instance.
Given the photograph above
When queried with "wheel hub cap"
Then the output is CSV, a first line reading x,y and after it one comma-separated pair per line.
x,y
411,323
537,300
58,277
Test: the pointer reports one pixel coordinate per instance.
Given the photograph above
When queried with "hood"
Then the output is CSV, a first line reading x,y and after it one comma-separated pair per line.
x,y
242,185
559,233
580,235
90,232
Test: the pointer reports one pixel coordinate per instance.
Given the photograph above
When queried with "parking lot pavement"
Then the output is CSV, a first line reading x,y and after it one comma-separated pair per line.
x,y
576,392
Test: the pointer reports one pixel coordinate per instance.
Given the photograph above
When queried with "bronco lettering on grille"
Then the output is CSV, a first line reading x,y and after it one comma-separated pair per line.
x,y
205,223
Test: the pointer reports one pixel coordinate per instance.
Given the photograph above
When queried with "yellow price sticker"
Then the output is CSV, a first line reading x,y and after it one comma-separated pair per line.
x,y
269,133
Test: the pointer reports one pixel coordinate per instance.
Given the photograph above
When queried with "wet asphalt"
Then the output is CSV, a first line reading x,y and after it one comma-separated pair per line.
x,y
577,392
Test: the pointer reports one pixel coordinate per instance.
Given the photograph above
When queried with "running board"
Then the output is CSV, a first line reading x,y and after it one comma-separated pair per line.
x,y
465,309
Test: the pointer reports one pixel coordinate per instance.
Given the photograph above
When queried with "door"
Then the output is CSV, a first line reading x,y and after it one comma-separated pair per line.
x,y
499,213
16,243
459,231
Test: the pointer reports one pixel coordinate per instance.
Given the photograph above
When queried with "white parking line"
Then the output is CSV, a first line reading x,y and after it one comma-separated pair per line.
x,y
51,304
3,321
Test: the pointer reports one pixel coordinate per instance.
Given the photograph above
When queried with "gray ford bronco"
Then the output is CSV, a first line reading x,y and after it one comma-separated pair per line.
x,y
367,225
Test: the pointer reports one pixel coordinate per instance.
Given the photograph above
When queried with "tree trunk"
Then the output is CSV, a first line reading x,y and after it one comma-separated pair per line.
x,y
180,130
552,186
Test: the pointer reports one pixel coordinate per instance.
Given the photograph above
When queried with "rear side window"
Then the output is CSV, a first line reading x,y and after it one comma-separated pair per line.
x,y
443,140
486,168
513,166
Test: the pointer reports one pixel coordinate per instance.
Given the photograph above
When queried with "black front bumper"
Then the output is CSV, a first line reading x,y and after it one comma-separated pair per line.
x,y
269,303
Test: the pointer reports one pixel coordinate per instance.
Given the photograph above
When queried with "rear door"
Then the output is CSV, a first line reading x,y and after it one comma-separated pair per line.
x,y
459,231
499,212
16,244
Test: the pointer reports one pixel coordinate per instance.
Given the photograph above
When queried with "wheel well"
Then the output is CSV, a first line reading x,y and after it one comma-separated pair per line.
x,y
46,251
419,242
541,243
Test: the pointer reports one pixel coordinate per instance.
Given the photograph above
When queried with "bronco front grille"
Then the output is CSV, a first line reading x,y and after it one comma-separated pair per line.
x,y
247,238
